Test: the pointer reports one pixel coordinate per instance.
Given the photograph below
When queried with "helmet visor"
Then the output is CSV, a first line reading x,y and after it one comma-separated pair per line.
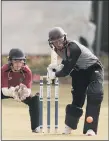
x,y
59,43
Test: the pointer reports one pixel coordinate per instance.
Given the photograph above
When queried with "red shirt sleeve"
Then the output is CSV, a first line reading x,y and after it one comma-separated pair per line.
x,y
28,77
4,76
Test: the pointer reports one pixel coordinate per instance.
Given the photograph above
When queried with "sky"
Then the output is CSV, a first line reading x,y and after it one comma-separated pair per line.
x,y
25,24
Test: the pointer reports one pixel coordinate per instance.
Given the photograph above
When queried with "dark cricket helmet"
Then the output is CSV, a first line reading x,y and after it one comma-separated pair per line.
x,y
16,54
57,37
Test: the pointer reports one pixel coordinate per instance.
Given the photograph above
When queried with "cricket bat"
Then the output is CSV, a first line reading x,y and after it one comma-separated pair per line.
x,y
54,58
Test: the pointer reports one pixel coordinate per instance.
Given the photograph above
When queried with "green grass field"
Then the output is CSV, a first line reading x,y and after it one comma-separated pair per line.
x,y
16,122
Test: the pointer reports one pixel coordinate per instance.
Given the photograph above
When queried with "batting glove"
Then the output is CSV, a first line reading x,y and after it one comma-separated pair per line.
x,y
50,74
56,67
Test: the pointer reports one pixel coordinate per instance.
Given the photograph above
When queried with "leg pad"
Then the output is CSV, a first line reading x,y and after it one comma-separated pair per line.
x,y
73,115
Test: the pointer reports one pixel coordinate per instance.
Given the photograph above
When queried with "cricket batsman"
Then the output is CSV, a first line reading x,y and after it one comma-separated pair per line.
x,y
16,84
87,76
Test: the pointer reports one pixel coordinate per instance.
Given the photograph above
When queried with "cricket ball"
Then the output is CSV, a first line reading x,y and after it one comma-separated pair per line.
x,y
89,119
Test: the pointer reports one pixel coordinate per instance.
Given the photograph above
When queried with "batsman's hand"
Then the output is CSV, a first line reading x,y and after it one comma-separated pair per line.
x,y
50,74
55,67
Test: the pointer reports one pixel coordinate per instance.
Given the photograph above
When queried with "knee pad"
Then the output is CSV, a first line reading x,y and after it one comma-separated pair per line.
x,y
95,99
73,114
95,93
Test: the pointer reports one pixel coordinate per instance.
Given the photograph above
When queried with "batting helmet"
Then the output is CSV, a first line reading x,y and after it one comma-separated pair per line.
x,y
56,33
57,38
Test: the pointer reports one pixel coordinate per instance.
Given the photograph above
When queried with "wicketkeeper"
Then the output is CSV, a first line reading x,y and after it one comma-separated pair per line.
x,y
16,84
87,80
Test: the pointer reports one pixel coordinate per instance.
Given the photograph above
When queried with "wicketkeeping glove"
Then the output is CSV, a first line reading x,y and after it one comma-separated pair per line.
x,y
22,92
15,94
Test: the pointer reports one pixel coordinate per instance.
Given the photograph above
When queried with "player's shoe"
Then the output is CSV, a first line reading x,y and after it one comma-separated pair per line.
x,y
90,132
37,130
67,130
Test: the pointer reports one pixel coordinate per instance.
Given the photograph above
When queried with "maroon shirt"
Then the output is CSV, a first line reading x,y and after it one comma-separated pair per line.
x,y
10,78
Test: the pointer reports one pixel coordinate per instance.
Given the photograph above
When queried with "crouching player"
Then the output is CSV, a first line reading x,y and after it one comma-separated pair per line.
x,y
87,74
16,84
